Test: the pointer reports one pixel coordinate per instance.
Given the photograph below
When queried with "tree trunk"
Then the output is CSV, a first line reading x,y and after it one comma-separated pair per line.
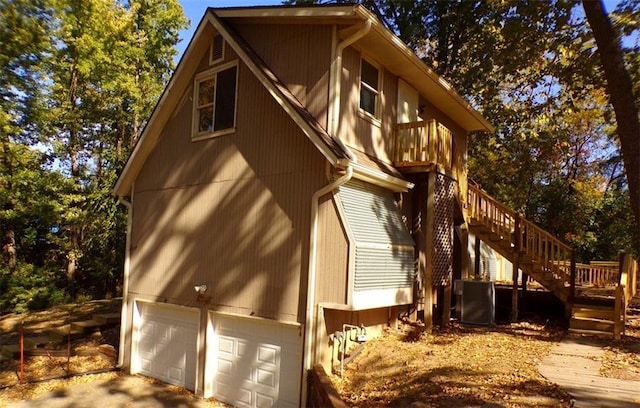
x,y
620,90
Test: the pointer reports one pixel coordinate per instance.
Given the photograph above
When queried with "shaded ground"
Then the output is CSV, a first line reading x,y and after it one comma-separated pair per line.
x,y
460,366
470,366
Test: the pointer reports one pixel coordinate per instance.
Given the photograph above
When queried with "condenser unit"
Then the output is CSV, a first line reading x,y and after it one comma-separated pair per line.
x,y
478,302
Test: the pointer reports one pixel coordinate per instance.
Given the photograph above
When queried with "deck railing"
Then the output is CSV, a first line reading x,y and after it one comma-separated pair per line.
x,y
529,241
598,273
625,291
425,141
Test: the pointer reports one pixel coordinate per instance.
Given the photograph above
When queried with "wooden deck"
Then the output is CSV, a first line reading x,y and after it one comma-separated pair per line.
x,y
574,365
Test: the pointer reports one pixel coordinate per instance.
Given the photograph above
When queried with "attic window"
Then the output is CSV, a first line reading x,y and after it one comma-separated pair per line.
x,y
217,50
215,102
369,88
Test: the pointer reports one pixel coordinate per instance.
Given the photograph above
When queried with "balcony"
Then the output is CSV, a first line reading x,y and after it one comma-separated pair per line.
x,y
423,146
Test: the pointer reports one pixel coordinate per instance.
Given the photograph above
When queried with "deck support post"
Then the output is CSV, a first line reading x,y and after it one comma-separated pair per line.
x,y
429,234
476,261
516,266
423,237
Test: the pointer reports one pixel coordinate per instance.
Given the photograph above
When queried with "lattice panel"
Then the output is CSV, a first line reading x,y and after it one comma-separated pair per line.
x,y
443,231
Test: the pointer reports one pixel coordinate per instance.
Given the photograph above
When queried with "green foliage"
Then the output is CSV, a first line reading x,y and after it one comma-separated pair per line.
x,y
30,288
78,82
531,69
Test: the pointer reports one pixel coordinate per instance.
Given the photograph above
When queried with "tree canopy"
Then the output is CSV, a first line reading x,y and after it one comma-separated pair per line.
x,y
79,79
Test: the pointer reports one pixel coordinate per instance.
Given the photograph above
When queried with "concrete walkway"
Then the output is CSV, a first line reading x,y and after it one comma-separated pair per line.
x,y
574,365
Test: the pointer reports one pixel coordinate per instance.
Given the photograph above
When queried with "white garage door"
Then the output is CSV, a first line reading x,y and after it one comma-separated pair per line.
x,y
254,363
167,343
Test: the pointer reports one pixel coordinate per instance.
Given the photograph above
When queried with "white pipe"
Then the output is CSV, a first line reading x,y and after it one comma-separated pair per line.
x,y
125,281
309,327
334,112
335,83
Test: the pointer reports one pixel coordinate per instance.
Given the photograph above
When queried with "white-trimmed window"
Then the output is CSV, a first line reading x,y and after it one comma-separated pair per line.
x,y
214,101
216,53
369,88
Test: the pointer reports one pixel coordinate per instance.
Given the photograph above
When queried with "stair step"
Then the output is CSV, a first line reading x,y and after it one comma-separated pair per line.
x,y
86,326
591,332
61,333
37,342
5,357
107,318
583,323
10,349
591,312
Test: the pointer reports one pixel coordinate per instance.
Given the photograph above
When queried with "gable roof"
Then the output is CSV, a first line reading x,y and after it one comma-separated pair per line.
x,y
388,48
332,150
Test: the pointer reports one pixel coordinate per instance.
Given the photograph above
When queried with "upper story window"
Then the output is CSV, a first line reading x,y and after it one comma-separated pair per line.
x,y
216,53
215,101
369,87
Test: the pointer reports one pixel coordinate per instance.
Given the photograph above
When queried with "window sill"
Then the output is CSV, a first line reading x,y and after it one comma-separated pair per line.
x,y
205,136
369,117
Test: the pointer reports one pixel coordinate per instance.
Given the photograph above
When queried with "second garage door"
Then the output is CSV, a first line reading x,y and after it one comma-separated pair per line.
x,y
167,343
253,362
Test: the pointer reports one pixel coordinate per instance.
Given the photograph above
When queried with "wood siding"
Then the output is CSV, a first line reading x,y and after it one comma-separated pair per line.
x,y
231,212
300,55
333,255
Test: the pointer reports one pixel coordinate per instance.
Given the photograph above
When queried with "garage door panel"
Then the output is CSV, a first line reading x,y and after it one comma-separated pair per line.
x,y
167,344
249,362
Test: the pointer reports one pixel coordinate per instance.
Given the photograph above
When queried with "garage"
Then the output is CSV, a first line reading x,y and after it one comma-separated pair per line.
x,y
253,362
166,343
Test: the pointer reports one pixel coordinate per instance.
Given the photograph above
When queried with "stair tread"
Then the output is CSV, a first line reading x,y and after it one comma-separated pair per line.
x,y
593,332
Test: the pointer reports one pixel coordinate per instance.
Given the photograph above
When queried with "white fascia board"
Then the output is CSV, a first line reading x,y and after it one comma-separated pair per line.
x,y
377,178
280,11
435,78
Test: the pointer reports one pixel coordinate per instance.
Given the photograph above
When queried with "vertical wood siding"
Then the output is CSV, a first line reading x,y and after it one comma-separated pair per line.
x,y
300,55
333,255
231,212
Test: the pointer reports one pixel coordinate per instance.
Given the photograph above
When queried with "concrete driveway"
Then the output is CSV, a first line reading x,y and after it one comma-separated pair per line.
x,y
123,391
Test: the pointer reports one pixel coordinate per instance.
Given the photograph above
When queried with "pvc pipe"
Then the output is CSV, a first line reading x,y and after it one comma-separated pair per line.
x,y
309,327
125,281
335,78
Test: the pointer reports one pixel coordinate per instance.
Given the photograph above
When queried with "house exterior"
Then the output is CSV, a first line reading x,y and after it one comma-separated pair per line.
x,y
303,174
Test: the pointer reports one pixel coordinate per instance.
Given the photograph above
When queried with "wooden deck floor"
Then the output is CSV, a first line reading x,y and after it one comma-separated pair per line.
x,y
574,365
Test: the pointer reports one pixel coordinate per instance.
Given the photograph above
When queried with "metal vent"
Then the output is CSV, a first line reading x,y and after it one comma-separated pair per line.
x,y
217,48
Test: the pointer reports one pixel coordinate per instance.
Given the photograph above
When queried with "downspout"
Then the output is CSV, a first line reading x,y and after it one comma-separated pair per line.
x,y
334,113
125,282
309,333
335,83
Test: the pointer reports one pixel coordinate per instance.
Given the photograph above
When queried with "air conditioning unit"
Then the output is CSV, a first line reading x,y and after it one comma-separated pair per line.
x,y
478,302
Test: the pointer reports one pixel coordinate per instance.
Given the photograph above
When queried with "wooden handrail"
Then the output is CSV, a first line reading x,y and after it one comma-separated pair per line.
x,y
625,291
531,241
426,141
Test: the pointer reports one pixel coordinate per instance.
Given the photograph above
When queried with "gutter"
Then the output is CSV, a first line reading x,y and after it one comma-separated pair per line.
x,y
125,281
334,113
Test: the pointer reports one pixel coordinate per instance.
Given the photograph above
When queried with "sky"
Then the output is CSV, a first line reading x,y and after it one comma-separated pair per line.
x,y
194,10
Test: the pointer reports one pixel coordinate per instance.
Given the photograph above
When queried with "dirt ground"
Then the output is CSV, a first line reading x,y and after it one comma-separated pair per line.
x,y
456,366
471,366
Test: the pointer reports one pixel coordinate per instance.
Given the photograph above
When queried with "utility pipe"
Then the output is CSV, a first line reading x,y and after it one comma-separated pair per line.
x,y
125,281
334,112
335,82
309,327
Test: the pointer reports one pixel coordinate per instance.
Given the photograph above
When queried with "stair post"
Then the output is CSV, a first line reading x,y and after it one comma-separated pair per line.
x,y
572,285
516,266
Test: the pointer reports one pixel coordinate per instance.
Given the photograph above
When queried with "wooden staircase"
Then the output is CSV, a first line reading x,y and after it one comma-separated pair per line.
x,y
545,258
551,263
